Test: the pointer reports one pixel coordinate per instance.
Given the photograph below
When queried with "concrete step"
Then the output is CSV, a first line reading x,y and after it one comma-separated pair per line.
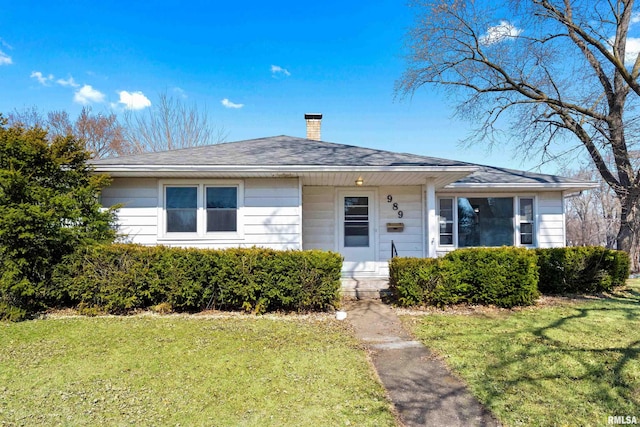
x,y
365,287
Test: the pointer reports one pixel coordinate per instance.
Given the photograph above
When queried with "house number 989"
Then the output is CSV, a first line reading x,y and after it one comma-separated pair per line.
x,y
394,206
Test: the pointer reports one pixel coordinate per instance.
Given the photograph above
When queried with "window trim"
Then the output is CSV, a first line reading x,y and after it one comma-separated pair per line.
x,y
454,228
534,223
516,216
201,216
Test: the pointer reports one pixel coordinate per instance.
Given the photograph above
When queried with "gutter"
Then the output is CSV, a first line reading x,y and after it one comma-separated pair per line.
x,y
293,168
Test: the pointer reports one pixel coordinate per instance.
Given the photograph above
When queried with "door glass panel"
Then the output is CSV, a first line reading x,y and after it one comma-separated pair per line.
x,y
356,222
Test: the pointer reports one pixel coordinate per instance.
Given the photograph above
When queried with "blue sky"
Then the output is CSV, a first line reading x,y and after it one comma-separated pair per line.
x,y
255,66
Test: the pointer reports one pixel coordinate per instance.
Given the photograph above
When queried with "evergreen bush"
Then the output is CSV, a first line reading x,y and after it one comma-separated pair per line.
x,y
581,269
122,277
505,277
48,208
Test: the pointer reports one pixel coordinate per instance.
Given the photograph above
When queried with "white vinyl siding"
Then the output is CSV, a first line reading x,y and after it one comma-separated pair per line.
x,y
410,241
280,213
138,216
551,228
318,218
270,213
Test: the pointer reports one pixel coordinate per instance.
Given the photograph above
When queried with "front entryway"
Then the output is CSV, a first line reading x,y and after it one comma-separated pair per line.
x,y
356,231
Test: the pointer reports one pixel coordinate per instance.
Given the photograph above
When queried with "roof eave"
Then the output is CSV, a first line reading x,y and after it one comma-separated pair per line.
x,y
133,170
537,186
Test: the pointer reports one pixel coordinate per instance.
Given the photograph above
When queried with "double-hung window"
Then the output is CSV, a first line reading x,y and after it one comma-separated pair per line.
x,y
209,209
222,208
181,209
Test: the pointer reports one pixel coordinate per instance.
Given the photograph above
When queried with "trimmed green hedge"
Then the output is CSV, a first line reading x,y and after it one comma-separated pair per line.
x,y
590,269
505,277
123,277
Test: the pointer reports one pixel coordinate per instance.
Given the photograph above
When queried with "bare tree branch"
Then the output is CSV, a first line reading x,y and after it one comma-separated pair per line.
x,y
556,70
101,133
168,125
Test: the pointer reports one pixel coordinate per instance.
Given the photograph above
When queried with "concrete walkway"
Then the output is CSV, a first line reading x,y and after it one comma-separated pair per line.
x,y
422,389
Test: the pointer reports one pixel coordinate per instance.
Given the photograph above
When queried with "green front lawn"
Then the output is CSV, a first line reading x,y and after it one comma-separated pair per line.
x,y
194,371
567,363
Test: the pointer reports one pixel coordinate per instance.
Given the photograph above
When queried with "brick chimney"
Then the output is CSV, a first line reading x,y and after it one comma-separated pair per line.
x,y
314,120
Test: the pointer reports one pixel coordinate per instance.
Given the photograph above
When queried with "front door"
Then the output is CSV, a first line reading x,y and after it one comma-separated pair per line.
x,y
356,232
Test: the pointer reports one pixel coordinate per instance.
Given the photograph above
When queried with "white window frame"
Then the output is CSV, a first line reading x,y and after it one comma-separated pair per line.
x,y
201,216
534,222
454,227
516,216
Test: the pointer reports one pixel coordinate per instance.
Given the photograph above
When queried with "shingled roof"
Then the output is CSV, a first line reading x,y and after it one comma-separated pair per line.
x,y
304,155
279,151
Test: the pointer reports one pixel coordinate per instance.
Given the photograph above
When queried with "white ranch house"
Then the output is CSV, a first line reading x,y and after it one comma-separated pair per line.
x,y
294,193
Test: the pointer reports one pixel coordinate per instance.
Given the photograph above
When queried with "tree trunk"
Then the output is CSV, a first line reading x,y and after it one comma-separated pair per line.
x,y
628,237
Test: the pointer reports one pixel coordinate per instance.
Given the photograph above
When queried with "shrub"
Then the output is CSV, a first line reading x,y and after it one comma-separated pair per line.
x,y
589,269
120,278
48,208
11,313
504,277
412,280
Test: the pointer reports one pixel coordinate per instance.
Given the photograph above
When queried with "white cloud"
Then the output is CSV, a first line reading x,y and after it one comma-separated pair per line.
x,y
635,17
87,94
501,32
276,69
42,79
632,50
230,104
5,59
134,100
68,82
180,92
